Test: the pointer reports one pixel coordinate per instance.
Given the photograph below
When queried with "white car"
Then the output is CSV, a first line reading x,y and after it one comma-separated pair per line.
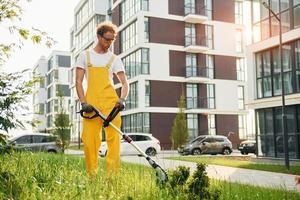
x,y
145,141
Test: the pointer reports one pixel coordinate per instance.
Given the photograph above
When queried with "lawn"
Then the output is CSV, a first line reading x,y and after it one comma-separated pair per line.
x,y
57,176
75,147
240,162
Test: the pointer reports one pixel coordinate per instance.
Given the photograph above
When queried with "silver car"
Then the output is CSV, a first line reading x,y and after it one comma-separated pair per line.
x,y
207,144
35,142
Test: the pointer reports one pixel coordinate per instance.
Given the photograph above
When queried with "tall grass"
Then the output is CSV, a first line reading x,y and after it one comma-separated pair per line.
x,y
51,176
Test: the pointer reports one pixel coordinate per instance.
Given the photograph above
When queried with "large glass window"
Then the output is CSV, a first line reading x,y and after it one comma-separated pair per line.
x,y
211,124
192,124
191,64
64,90
131,7
241,98
190,34
146,29
137,63
129,37
132,101
138,122
209,73
209,36
238,10
191,96
147,93
211,96
63,61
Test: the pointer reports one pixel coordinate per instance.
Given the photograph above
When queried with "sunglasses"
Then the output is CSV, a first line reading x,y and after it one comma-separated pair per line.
x,y
108,39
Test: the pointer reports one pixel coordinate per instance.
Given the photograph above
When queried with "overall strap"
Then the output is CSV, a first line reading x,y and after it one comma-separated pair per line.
x,y
88,58
110,61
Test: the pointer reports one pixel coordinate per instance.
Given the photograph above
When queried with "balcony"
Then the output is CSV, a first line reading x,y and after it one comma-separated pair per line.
x,y
196,13
200,103
196,75
195,44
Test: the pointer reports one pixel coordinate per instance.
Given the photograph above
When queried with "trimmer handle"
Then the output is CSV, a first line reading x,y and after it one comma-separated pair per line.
x,y
89,117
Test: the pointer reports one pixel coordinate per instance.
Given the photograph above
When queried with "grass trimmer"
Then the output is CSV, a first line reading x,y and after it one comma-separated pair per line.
x,y
161,175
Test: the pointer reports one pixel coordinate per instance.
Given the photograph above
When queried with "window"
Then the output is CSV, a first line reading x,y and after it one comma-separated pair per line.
x,y
296,13
138,122
211,125
209,60
209,36
24,140
129,37
242,127
132,101
146,29
239,41
263,74
238,10
137,63
241,98
192,125
142,138
147,93
211,96
42,82
190,34
64,90
191,65
240,69
63,61
41,108
131,7
191,96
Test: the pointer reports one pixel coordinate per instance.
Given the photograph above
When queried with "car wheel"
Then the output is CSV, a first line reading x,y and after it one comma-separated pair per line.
x,y
151,151
226,151
196,152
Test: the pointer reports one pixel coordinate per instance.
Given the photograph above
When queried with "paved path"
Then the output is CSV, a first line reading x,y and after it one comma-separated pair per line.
x,y
248,176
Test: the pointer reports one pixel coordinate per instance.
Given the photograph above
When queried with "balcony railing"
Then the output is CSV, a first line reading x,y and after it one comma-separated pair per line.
x,y
192,40
199,72
190,8
200,103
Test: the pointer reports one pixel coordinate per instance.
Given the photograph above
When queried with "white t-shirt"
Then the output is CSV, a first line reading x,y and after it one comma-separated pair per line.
x,y
100,60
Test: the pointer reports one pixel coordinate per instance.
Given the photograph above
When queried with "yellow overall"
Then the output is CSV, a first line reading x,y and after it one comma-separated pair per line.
x,y
102,95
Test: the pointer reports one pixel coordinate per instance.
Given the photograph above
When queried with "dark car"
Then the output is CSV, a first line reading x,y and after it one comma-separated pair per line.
x,y
35,142
207,144
247,146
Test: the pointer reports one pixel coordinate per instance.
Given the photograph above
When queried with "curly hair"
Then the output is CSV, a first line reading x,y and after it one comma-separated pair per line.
x,y
107,26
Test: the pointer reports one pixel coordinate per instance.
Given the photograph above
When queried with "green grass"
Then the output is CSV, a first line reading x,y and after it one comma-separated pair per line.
x,y
57,176
240,162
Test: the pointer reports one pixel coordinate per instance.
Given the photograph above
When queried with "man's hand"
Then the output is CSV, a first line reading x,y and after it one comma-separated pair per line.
x,y
120,104
85,107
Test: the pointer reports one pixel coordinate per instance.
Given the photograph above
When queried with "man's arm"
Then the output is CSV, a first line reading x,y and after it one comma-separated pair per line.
x,y
79,88
125,87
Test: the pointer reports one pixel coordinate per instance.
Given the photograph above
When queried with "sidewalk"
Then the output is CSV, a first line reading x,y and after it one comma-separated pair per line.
x,y
232,174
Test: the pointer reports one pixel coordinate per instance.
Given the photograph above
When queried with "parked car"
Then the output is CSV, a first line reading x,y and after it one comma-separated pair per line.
x,y
146,142
247,146
207,144
35,142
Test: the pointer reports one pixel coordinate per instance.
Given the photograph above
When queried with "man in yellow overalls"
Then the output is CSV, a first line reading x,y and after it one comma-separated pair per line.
x,y
98,65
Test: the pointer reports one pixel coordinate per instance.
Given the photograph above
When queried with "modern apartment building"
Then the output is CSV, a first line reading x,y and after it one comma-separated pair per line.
x,y
57,81
193,48
264,77
53,73
87,14
39,95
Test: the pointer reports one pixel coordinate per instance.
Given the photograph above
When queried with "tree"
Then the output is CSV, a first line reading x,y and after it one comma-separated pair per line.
x,y
62,124
10,14
179,133
14,87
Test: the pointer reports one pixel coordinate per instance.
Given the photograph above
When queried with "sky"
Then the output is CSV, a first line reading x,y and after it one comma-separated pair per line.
x,y
55,17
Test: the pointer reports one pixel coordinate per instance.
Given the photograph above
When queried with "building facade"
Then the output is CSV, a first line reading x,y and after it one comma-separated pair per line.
x,y
87,14
53,74
193,48
264,77
39,95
